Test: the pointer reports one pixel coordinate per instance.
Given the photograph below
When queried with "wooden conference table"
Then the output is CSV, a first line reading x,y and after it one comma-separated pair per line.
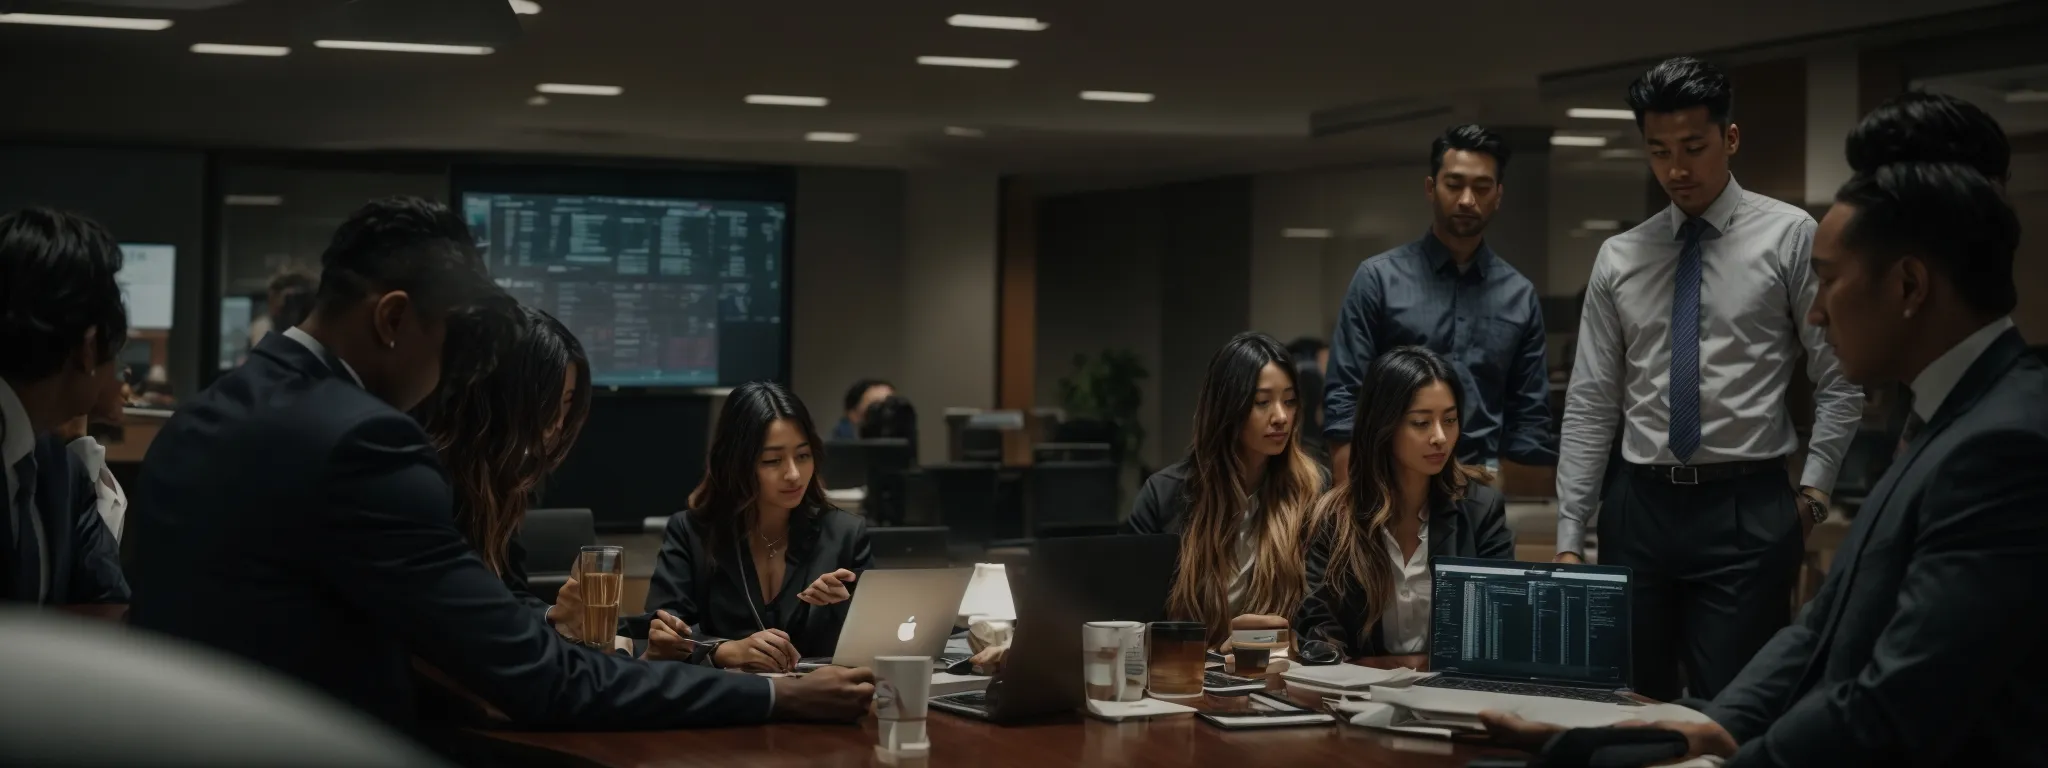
x,y
1064,740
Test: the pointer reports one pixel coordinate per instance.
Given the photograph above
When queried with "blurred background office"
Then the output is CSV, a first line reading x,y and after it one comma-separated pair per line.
x,y
1037,226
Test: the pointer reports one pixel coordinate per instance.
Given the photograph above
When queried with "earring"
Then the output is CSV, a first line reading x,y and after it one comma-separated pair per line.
x,y
393,344
1909,313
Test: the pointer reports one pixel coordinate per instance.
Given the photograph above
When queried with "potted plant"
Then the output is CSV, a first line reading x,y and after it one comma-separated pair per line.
x,y
1102,396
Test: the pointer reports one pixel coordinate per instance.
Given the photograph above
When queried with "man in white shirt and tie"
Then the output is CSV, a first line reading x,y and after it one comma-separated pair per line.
x,y
1692,324
62,323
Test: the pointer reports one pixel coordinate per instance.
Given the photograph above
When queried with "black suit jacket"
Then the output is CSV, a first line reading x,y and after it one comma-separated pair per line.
x,y
720,597
1162,504
1924,645
84,562
288,516
1476,526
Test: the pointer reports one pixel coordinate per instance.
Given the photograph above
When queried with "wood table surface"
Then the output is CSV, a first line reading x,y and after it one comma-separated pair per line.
x,y
1179,740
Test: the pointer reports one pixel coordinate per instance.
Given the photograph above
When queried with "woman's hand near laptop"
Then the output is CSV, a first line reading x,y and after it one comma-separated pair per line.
x,y
768,650
837,694
829,588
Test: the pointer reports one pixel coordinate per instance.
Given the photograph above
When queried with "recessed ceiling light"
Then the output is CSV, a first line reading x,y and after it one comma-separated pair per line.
x,y
1621,153
1308,233
1122,96
525,7
95,22
1600,225
572,89
537,101
256,200
230,49
832,136
1561,140
1593,113
965,133
379,45
1014,23
774,100
966,61
2026,97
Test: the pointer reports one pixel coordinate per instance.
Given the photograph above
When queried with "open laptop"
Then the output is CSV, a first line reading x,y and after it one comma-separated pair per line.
x,y
1500,627
900,613
1065,583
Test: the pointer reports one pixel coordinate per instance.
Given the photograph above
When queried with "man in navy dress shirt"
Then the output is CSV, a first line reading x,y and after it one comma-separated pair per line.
x,y
1448,291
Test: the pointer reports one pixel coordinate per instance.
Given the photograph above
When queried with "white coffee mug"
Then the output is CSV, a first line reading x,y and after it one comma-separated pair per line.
x,y
902,692
1113,660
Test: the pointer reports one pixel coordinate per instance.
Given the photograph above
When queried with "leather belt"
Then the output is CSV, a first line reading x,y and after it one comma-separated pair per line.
x,y
1698,474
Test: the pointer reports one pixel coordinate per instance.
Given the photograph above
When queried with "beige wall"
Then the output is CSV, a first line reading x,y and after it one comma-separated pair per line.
x,y
1297,285
895,279
848,296
948,298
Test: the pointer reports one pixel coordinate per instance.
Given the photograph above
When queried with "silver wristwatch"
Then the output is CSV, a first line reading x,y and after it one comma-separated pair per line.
x,y
1815,508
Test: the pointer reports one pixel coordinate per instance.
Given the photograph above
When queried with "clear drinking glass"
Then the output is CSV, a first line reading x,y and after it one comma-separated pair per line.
x,y
1179,653
601,573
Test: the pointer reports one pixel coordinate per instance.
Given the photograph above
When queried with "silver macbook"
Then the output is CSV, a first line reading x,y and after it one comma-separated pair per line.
x,y
900,613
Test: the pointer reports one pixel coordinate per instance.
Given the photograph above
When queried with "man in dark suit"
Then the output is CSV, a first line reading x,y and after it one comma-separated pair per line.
x,y
61,323
1923,646
293,514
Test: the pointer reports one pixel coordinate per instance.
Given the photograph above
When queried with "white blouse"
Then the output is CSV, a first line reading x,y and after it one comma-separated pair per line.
x,y
1405,624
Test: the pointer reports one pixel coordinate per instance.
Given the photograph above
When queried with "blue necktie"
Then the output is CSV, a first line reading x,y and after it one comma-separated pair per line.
x,y
26,579
1684,437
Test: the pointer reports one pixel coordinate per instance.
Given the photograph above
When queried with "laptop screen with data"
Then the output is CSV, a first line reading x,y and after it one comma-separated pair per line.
x,y
1530,621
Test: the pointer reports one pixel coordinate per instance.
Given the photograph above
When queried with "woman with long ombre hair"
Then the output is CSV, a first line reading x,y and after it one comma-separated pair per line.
x,y
1408,499
1241,497
501,434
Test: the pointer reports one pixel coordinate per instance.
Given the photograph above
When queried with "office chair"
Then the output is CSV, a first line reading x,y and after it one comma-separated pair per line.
x,y
552,537
1073,498
1050,452
966,493
906,546
86,693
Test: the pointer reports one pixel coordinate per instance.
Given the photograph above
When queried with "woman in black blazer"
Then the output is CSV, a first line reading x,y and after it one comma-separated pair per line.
x,y
761,567
1240,500
1408,500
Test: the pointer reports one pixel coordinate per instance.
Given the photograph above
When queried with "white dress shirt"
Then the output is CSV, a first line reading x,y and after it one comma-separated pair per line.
x,y
1755,288
320,351
17,441
113,502
1405,624
1246,549
1940,377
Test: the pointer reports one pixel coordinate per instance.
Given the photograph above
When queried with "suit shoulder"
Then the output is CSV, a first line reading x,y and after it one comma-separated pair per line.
x,y
1173,476
1480,497
836,519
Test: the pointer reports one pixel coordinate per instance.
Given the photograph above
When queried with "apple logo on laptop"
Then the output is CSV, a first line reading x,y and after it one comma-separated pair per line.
x,y
907,630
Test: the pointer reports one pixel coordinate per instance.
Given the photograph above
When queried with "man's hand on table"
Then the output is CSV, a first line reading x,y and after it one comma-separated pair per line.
x,y
833,694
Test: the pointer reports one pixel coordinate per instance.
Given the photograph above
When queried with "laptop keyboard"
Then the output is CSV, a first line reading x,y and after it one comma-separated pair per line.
x,y
1527,689
974,700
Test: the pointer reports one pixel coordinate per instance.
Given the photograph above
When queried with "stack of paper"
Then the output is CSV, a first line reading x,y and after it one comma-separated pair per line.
x,y
1348,679
1116,711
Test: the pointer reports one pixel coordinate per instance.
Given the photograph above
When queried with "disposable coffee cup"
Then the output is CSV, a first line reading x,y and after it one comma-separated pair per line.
x,y
902,694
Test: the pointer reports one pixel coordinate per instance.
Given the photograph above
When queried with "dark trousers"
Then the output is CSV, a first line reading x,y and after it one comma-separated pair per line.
x,y
1714,566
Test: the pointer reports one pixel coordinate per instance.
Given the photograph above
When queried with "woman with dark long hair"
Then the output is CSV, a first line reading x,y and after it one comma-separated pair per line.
x,y
501,434
760,558
1408,499
1241,497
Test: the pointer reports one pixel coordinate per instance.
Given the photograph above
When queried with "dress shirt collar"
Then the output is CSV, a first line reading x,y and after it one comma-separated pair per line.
x,y
1440,256
1717,218
1940,377
319,350
19,435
